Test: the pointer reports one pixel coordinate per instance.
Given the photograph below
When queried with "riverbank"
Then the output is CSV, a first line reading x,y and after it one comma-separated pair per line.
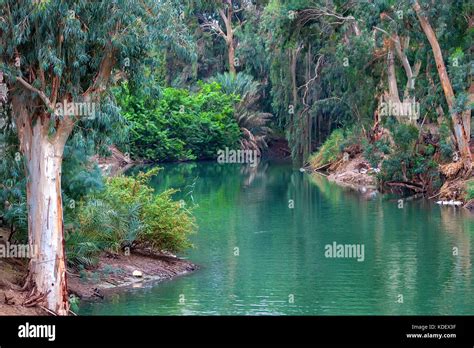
x,y
113,273
352,173
116,272
356,173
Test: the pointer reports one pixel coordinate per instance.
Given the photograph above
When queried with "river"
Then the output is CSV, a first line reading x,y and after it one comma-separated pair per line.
x,y
262,248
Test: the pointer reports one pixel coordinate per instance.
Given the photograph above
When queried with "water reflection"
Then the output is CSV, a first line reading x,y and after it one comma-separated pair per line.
x,y
279,221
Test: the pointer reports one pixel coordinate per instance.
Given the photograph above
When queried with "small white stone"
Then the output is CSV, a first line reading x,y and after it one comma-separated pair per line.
x,y
137,274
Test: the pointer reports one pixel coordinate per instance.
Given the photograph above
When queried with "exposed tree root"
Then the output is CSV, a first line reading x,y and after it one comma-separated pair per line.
x,y
35,300
29,283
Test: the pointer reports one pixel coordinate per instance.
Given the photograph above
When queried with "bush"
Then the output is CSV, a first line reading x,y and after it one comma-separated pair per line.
x,y
405,162
180,125
469,190
375,153
445,143
128,213
335,144
251,120
331,148
404,136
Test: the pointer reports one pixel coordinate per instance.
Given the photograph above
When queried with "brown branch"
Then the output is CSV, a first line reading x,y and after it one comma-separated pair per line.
x,y
103,75
41,94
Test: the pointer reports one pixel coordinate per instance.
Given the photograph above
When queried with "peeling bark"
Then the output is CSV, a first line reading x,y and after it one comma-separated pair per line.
x,y
45,215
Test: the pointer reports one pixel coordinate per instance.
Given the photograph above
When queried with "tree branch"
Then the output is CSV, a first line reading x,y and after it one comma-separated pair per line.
x,y
41,94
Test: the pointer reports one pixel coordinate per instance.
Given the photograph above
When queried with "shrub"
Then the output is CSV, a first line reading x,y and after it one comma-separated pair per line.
x,y
375,152
405,162
128,213
180,125
251,120
470,189
445,143
330,149
404,136
333,146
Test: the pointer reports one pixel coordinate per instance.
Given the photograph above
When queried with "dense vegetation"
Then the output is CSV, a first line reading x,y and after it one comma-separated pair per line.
x,y
128,214
180,125
178,81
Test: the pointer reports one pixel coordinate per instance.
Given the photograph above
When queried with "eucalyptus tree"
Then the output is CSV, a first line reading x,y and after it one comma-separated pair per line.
x,y
222,18
460,104
317,53
332,63
59,59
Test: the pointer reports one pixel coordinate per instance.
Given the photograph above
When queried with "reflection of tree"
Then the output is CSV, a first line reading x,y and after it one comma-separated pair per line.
x,y
250,173
408,251
460,226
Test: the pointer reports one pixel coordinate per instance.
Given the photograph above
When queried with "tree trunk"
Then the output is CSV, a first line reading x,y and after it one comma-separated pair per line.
x,y
229,35
467,114
43,155
231,51
459,127
392,78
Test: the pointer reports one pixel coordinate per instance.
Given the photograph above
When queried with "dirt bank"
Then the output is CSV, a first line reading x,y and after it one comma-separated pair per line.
x,y
113,273
117,271
12,300
354,173
357,174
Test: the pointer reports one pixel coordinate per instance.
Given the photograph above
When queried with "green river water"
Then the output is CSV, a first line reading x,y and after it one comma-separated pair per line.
x,y
261,250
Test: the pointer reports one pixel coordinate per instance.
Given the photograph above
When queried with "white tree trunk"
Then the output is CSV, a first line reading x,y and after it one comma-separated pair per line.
x,y
46,222
43,156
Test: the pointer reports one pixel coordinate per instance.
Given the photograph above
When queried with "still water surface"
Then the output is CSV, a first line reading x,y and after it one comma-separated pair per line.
x,y
280,220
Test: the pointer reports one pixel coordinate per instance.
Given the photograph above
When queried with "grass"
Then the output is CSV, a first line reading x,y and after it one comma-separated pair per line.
x,y
329,151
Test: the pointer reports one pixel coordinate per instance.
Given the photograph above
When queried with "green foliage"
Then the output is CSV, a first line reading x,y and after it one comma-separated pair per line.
x,y
180,125
13,207
404,136
330,150
405,162
82,251
375,152
240,84
252,122
469,189
128,214
445,143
